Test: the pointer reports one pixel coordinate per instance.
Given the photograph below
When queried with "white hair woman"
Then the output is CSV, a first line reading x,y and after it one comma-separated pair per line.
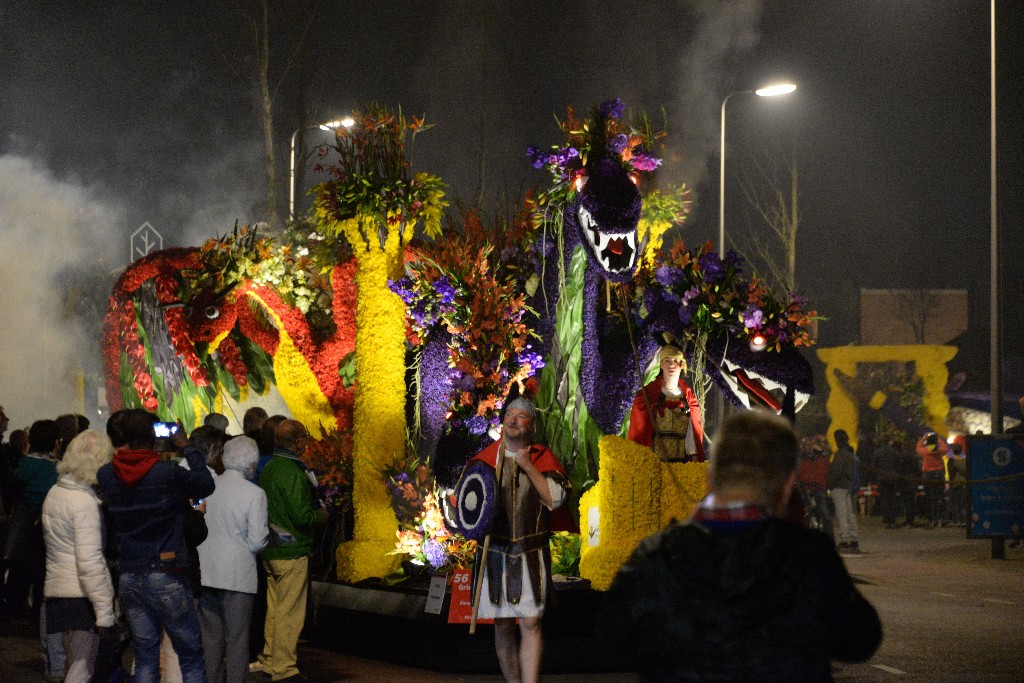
x,y
78,590
236,516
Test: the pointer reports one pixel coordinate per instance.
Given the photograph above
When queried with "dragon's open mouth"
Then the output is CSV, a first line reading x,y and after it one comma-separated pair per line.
x,y
615,251
755,390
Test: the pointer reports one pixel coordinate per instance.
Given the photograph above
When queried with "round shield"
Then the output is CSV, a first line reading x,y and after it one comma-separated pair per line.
x,y
475,500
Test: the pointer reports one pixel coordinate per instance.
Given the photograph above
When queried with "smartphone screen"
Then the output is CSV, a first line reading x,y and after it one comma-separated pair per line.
x,y
164,430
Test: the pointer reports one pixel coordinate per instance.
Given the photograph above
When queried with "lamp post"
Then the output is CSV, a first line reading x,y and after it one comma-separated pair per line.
x,y
346,122
767,91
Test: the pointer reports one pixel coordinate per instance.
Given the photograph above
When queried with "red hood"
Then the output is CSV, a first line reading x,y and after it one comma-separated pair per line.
x,y
131,466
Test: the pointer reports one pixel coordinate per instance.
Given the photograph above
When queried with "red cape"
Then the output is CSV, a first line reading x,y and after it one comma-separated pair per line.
x,y
641,430
540,455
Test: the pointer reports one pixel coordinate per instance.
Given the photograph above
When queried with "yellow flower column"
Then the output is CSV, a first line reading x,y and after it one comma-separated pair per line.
x,y
379,414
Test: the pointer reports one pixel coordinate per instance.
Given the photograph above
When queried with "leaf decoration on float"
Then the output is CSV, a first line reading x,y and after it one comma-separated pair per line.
x,y
372,178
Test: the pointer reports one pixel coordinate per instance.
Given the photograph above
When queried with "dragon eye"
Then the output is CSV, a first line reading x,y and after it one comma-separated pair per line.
x,y
212,312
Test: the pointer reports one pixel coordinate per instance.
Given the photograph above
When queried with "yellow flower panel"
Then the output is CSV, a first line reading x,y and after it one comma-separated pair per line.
x,y
628,499
299,388
929,363
683,485
362,558
296,382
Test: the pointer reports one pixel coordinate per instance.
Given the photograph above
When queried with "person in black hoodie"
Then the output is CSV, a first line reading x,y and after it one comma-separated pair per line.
x,y
736,593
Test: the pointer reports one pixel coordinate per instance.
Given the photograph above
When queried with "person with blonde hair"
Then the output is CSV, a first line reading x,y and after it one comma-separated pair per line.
x,y
666,413
78,590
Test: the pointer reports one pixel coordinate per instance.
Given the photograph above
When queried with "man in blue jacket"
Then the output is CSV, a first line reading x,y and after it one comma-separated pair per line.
x,y
145,498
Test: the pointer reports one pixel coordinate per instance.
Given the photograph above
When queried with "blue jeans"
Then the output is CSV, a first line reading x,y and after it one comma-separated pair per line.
x,y
159,600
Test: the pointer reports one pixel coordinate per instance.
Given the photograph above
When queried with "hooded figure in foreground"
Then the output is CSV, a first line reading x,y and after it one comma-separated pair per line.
x,y
736,593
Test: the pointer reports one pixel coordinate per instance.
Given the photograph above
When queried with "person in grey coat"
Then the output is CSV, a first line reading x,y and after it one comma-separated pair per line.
x,y
236,516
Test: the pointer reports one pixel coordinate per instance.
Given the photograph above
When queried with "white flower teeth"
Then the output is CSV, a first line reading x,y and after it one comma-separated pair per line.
x,y
599,241
772,386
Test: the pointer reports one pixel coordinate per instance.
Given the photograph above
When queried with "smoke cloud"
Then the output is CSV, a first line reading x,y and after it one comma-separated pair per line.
x,y
723,33
48,227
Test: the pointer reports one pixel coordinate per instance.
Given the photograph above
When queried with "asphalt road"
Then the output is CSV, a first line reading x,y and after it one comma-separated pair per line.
x,y
951,615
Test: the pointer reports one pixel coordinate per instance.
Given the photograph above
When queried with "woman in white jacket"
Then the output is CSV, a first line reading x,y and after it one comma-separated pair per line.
x,y
79,593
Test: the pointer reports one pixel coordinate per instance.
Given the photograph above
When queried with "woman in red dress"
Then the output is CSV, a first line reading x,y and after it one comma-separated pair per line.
x,y
666,414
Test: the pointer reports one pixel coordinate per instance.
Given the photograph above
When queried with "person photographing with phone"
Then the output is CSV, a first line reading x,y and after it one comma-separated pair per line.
x,y
147,499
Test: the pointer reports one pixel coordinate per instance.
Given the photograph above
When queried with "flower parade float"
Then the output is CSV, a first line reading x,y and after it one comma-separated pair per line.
x,y
188,328
399,352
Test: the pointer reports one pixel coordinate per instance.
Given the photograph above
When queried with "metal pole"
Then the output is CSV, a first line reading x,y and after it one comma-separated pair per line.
x,y
995,338
994,310
721,184
291,179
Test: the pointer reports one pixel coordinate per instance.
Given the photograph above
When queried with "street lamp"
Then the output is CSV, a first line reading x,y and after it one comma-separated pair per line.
x,y
346,122
767,91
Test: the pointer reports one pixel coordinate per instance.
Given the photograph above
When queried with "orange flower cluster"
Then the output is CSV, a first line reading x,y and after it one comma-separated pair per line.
x,y
330,457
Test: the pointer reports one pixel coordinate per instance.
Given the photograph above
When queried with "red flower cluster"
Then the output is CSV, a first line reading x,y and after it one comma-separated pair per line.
x,y
231,359
136,353
120,325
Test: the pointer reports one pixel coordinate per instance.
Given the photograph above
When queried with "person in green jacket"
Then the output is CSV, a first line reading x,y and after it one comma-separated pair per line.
x,y
293,512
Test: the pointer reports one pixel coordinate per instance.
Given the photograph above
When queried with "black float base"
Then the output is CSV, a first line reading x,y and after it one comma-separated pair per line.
x,y
388,623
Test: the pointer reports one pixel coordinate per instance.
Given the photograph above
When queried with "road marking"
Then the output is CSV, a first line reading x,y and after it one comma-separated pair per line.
x,y
888,669
999,602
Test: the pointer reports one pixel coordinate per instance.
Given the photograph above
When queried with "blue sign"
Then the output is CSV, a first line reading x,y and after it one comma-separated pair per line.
x,y
995,470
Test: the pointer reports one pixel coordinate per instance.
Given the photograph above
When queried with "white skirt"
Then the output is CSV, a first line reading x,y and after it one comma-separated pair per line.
x,y
504,609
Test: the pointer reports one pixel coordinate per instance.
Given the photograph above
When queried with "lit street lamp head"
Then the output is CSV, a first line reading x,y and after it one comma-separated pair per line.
x,y
775,89
346,122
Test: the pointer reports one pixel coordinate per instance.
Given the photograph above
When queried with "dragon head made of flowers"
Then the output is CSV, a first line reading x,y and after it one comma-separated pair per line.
x,y
595,176
741,335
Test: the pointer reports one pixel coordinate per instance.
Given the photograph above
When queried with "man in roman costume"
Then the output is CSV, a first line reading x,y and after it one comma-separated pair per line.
x,y
530,483
666,414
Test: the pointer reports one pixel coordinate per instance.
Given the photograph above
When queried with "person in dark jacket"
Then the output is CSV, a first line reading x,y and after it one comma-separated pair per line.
x,y
146,498
840,483
909,474
736,593
887,467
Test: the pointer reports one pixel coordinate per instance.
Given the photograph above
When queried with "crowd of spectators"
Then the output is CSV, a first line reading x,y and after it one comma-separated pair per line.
x,y
145,539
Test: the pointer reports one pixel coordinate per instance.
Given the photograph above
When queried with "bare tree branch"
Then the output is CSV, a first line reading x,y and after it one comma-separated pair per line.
x,y
770,187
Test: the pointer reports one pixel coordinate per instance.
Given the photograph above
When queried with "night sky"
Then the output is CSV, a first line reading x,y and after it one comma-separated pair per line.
x,y
125,112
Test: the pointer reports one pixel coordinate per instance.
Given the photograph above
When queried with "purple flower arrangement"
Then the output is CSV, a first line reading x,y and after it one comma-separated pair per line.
x,y
601,143
467,308
686,292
